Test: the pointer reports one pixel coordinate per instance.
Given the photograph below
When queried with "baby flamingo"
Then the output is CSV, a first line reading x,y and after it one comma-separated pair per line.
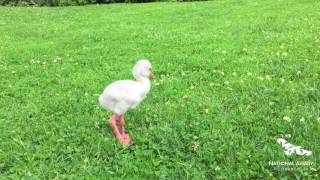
x,y
120,96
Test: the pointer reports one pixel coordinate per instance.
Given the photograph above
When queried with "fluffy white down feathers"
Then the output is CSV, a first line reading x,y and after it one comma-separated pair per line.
x,y
120,96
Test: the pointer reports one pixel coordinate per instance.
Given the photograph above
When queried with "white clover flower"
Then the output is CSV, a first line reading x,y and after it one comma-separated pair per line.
x,y
286,118
302,119
55,61
86,160
207,111
260,78
96,124
268,77
195,146
282,80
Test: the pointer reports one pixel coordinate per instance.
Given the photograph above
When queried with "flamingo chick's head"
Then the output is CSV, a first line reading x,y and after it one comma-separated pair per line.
x,y
142,69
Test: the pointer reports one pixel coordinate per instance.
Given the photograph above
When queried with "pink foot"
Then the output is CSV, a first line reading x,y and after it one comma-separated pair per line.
x,y
123,140
119,137
126,138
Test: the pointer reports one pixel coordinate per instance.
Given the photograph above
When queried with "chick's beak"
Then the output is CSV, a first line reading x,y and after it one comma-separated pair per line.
x,y
151,76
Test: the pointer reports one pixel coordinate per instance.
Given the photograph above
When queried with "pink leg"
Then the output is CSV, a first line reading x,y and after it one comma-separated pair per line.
x,y
126,137
113,124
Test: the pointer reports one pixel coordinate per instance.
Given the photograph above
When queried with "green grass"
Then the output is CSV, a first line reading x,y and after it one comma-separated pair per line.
x,y
227,72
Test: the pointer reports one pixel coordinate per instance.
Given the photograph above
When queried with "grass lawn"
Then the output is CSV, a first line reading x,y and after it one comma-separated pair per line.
x,y
232,76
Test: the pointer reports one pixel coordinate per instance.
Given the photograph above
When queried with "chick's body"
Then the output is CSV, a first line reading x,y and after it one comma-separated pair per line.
x,y
122,95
